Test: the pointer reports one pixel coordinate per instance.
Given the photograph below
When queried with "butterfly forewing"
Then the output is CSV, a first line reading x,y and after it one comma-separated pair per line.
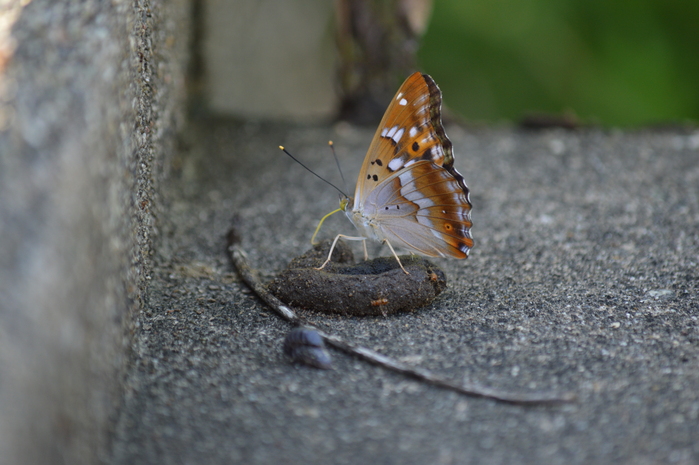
x,y
407,186
410,129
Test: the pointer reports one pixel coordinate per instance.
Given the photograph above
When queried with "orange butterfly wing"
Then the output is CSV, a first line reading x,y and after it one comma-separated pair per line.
x,y
408,190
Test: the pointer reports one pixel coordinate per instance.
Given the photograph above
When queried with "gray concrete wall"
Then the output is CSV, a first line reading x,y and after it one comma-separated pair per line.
x,y
91,95
290,58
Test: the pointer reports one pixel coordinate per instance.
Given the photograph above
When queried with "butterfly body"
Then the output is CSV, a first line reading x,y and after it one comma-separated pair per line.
x,y
408,193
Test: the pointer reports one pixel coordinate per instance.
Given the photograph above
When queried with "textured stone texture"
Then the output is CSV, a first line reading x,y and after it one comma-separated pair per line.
x,y
583,278
91,94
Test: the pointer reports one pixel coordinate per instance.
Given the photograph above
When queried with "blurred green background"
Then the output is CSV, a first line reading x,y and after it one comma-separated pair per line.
x,y
611,62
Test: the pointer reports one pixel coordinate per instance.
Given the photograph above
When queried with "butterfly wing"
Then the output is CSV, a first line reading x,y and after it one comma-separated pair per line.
x,y
423,207
407,186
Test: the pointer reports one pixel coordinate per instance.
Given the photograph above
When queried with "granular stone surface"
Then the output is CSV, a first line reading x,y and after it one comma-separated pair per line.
x,y
583,278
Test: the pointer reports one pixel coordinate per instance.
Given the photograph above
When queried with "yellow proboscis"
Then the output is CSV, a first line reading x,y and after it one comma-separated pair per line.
x,y
313,239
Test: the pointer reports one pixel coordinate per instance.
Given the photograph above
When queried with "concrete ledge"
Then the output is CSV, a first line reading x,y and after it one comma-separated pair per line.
x,y
583,278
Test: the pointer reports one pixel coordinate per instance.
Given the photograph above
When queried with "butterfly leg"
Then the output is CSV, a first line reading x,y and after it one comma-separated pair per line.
x,y
395,255
349,238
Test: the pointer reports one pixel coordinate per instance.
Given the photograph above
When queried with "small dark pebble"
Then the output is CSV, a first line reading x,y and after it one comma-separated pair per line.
x,y
304,345
372,287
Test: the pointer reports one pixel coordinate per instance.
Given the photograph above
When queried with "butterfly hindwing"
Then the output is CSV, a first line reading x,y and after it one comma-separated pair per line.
x,y
424,208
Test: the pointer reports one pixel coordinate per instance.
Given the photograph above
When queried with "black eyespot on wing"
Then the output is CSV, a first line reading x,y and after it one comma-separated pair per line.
x,y
368,176
427,155
378,162
416,146
376,178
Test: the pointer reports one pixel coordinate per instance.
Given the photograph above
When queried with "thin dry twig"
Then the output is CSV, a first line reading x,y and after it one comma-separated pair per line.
x,y
249,277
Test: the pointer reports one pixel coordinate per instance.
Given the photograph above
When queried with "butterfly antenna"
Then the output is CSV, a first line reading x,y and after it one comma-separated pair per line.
x,y
337,162
312,172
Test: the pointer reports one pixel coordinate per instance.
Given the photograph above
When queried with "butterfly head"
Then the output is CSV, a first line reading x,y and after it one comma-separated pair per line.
x,y
345,202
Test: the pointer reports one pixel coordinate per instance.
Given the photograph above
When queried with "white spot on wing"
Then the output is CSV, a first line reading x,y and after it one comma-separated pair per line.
x,y
426,222
398,97
406,178
410,193
395,133
395,164
413,131
422,202
437,234
403,102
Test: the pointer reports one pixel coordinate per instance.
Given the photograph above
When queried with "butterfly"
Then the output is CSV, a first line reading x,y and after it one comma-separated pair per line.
x,y
408,192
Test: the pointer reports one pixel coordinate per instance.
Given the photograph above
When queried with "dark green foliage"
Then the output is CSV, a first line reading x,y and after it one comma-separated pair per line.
x,y
615,63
